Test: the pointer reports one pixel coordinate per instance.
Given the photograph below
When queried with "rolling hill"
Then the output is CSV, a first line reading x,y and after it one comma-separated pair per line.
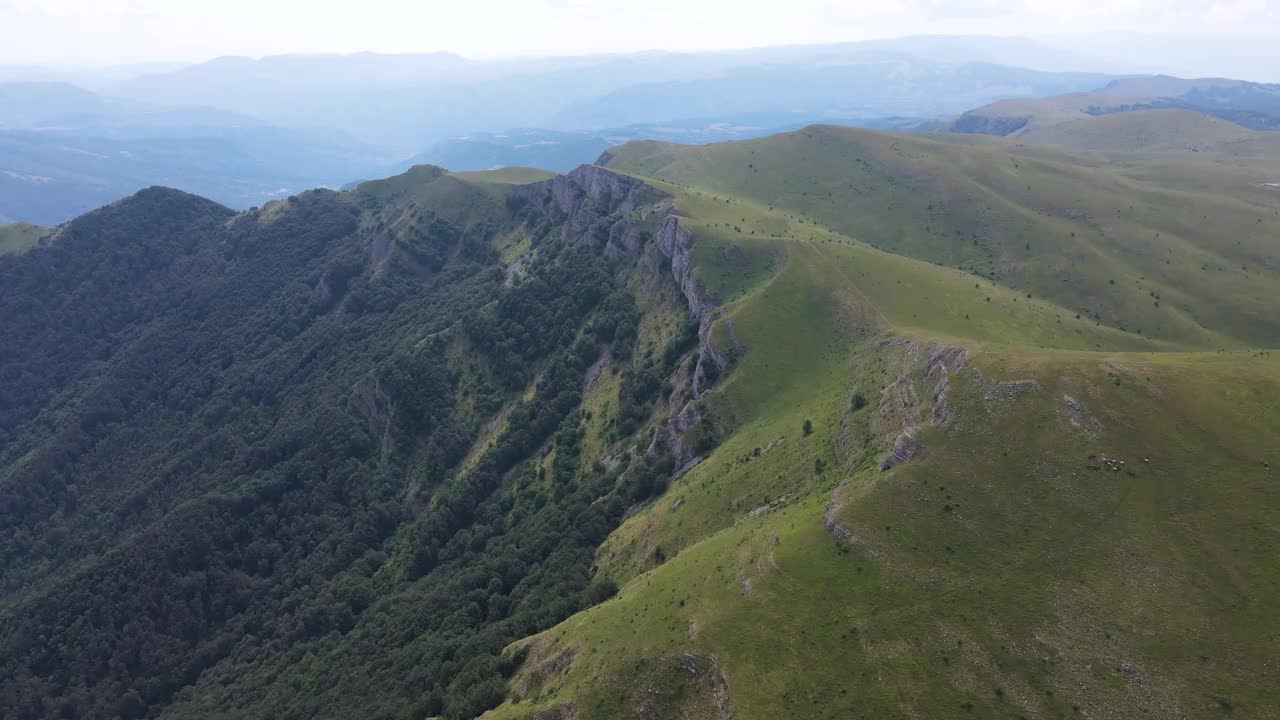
x,y
1015,116
1146,131
833,423
1244,104
943,498
1121,246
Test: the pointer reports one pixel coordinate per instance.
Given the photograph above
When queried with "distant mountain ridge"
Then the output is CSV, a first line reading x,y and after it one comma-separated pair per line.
x,y
245,130
1251,105
562,151
65,150
372,95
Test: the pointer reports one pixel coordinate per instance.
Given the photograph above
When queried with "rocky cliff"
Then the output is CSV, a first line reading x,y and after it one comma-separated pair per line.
x,y
598,205
631,218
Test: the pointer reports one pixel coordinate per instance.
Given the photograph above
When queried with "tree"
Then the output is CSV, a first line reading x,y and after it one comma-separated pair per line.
x,y
601,590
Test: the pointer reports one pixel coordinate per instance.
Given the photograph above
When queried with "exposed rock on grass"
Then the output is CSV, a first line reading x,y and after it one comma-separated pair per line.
x,y
905,447
1075,414
843,533
924,371
563,711
541,665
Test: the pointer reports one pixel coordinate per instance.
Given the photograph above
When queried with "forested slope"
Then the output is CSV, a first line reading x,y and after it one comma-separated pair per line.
x,y
830,424
258,464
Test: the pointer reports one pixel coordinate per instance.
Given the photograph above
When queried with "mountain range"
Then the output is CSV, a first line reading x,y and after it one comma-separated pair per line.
x,y
65,150
243,131
832,422
1244,104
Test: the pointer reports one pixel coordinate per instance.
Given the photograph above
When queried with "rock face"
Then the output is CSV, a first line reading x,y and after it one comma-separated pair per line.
x,y
1077,416
563,711
667,439
598,206
602,207
542,667
918,396
941,362
675,241
830,520
373,404
681,686
905,447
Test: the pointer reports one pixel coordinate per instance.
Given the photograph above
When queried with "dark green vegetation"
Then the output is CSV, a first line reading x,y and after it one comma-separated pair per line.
x,y
260,464
834,423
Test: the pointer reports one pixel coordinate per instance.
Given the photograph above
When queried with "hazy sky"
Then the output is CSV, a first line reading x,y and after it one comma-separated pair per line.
x,y
72,32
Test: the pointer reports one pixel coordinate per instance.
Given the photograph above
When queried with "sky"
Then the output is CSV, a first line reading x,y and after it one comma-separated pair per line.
x,y
72,33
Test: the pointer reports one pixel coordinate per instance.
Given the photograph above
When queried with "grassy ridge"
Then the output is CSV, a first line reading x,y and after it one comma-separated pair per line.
x,y
507,175
999,575
1160,130
19,237
1186,254
742,247
1048,111
1087,536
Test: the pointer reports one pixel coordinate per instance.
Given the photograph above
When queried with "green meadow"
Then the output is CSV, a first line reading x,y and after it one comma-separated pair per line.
x,y
1084,525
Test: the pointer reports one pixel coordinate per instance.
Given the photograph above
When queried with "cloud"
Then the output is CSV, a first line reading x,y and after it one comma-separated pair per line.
x,y
76,31
948,9
1237,12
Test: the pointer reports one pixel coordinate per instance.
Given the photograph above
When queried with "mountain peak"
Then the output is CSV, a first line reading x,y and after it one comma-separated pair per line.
x,y
155,195
147,210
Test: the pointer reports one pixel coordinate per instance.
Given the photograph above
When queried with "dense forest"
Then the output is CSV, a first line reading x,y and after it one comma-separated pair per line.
x,y
319,459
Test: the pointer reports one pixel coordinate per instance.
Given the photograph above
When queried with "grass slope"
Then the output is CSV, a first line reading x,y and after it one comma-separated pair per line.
x,y
1006,573
19,237
1085,533
1037,113
1185,253
507,175
1145,131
